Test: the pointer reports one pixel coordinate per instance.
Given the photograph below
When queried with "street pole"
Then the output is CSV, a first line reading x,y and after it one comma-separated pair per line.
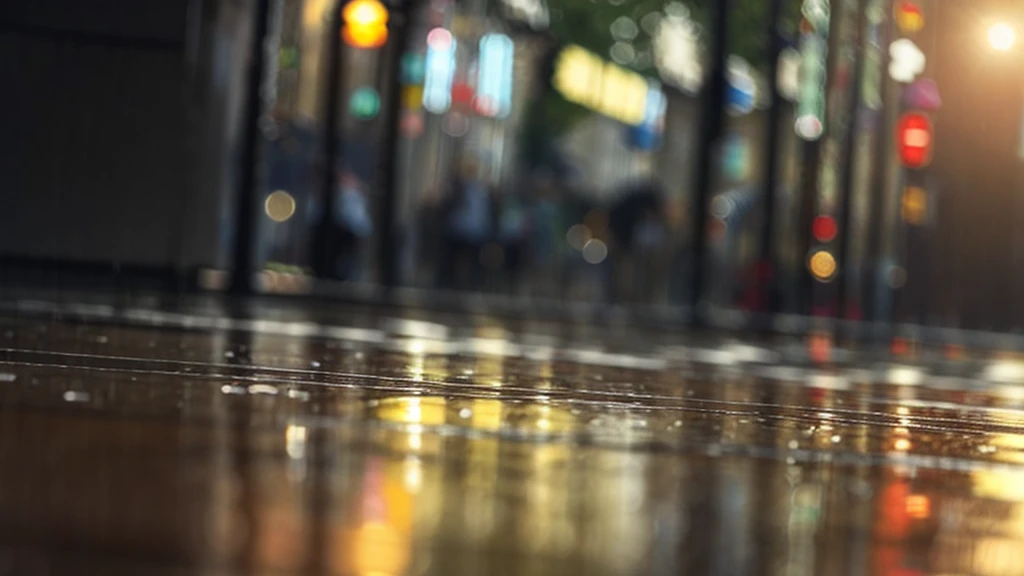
x,y
846,187
879,167
324,249
387,163
768,273
707,153
245,230
811,160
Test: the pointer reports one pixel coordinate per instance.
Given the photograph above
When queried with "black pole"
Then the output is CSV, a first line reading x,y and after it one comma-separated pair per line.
x,y
387,163
324,248
849,156
245,213
810,159
769,286
711,131
880,164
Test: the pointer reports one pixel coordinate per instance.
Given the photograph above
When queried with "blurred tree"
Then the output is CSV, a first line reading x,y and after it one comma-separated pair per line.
x,y
598,25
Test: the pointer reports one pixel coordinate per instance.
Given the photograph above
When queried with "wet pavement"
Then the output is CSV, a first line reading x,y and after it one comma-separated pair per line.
x,y
156,442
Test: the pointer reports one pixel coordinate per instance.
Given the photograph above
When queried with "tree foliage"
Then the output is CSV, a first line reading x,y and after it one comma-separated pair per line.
x,y
589,23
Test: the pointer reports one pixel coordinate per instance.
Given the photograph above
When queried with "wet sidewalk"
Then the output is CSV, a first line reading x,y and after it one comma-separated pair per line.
x,y
189,442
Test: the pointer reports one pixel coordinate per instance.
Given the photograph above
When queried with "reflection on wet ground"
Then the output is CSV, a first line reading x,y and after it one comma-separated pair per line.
x,y
406,450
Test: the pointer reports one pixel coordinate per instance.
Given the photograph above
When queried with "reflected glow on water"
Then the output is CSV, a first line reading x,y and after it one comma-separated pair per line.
x,y
490,462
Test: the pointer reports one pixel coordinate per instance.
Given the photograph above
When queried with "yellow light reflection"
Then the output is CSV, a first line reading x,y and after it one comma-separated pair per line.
x,y
486,415
424,410
919,506
999,485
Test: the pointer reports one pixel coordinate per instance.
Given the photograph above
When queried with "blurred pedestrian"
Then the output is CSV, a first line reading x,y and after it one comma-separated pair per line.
x,y
513,235
353,226
468,226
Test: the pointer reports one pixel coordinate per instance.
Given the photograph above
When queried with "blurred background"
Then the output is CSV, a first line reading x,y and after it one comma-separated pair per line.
x,y
719,163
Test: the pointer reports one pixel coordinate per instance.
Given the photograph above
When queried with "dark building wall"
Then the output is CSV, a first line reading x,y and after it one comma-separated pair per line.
x,y
104,106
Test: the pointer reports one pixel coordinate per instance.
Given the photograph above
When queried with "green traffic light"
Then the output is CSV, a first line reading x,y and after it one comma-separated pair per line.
x,y
364,103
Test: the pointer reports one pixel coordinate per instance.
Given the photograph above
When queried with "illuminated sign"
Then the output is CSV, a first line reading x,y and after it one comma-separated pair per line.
x,y
494,85
810,108
817,13
440,69
647,136
740,86
810,111
587,80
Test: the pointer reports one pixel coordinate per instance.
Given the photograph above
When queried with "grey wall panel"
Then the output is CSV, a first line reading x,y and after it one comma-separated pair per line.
x,y
116,151
96,139
162,20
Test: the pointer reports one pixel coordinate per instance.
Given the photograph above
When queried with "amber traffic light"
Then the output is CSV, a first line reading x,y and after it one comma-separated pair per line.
x,y
365,23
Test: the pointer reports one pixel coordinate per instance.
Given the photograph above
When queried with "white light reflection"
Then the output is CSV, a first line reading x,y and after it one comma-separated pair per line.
x,y
1005,372
412,474
415,438
295,441
905,376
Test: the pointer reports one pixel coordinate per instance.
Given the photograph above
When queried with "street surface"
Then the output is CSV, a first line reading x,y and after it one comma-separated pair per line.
x,y
147,441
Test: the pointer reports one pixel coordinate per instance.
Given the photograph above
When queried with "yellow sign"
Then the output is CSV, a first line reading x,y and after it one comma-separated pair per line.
x,y
914,207
589,81
822,265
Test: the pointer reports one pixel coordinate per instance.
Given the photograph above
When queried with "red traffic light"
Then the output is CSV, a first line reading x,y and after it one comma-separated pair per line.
x,y
914,140
824,228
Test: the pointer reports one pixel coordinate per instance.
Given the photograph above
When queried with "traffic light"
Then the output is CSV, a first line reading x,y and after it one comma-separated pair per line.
x,y
823,265
914,140
909,16
824,228
365,24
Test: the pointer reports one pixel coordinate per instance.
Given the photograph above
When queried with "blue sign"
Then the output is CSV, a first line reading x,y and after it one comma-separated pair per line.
x,y
740,98
494,84
647,135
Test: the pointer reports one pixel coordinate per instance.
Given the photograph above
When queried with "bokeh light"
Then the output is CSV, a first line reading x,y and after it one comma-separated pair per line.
x,y
279,206
1001,36
822,265
595,251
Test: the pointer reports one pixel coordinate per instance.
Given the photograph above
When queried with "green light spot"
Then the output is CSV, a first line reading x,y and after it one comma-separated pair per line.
x,y
364,103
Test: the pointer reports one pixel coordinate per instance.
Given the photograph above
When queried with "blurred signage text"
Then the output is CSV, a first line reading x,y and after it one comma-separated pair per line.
x,y
587,80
